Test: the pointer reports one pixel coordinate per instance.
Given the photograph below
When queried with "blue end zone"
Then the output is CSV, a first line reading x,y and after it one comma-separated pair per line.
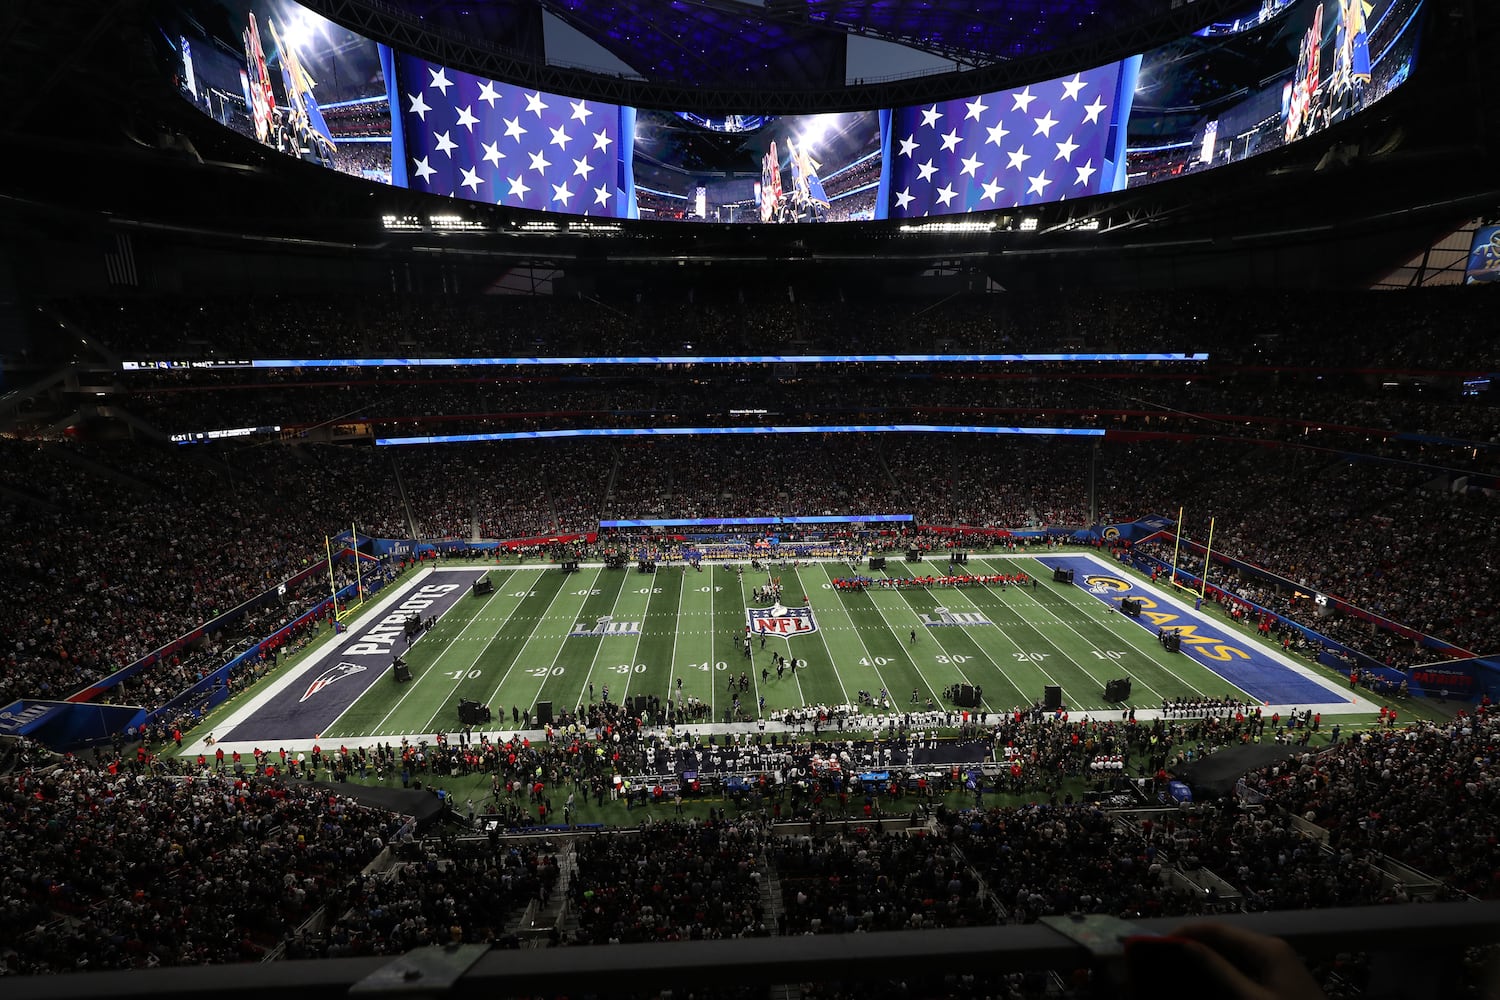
x,y
1243,664
325,687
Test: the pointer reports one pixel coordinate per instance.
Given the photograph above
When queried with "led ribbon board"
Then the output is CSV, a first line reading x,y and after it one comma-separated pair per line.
x,y
695,431
668,359
696,522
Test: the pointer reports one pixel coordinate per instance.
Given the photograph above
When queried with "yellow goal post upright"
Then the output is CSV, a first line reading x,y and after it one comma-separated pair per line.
x,y
1176,545
359,579
1208,560
333,587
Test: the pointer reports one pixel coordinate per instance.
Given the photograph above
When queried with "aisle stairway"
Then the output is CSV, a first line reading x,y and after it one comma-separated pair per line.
x,y
537,921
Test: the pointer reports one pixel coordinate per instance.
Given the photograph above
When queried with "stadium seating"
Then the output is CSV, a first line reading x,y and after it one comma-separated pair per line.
x,y
679,879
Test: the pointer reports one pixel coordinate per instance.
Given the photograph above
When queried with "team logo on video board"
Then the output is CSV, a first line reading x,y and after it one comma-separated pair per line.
x,y
783,621
605,625
337,672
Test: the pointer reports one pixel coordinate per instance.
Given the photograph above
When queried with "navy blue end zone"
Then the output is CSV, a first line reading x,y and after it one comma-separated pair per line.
x,y
323,689
1243,664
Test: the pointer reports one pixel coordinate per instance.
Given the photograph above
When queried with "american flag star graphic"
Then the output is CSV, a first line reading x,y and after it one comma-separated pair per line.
x,y
473,138
1043,142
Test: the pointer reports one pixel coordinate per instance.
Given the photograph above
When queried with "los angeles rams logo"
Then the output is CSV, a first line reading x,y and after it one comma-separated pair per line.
x,y
337,672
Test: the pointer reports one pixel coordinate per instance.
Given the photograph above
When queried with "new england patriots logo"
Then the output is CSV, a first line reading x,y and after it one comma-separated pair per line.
x,y
782,621
337,672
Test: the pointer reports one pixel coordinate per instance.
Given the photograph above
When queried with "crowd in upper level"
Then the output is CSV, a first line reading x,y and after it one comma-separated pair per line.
x,y
120,548
1306,455
1245,328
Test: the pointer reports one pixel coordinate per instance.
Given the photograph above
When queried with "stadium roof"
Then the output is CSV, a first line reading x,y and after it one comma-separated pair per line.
x,y
786,43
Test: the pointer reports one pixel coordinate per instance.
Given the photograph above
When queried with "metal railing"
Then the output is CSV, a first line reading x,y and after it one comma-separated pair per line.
x,y
1419,938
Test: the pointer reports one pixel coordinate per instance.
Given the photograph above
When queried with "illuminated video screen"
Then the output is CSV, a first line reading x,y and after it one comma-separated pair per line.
x,y
473,138
1023,146
758,169
1275,73
1484,256
286,77
1282,73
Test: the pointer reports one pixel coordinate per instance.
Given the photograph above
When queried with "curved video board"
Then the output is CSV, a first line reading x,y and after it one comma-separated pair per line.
x,y
298,83
286,77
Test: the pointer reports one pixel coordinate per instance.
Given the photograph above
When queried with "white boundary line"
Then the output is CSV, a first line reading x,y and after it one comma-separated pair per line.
x,y
311,658
1341,703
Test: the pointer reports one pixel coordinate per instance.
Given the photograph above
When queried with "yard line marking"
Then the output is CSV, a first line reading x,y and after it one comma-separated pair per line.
x,y
332,726
477,657
1059,619
517,658
871,656
635,655
984,652
415,681
672,663
1141,626
795,679
831,663
587,677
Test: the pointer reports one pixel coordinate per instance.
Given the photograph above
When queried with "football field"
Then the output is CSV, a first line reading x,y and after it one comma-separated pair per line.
x,y
567,638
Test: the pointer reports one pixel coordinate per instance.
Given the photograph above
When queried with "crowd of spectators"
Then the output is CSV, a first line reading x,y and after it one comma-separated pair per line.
x,y
115,863
1421,794
109,868
116,550
124,547
869,880
1042,860
1271,865
1250,328
1378,537
751,476
674,881
459,892
438,400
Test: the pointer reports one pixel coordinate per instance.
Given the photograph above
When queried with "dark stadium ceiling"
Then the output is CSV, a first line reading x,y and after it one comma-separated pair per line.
x,y
109,145
786,43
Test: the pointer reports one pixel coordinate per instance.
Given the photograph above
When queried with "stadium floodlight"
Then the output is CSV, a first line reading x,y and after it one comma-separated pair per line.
x,y
1029,224
453,223
401,223
817,129
302,27
969,226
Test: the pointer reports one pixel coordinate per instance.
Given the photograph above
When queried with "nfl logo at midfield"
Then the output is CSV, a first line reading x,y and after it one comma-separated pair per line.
x,y
782,621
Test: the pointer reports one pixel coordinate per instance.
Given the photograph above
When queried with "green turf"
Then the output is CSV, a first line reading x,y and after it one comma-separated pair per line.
x,y
512,649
